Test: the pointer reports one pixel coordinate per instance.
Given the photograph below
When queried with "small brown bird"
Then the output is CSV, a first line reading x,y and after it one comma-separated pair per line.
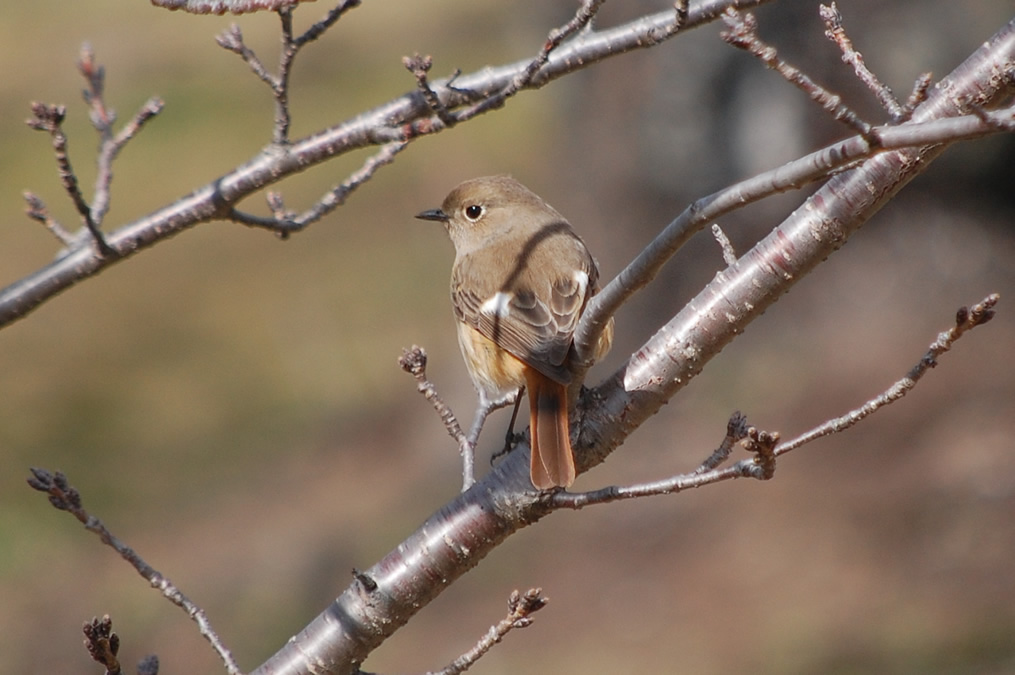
x,y
519,284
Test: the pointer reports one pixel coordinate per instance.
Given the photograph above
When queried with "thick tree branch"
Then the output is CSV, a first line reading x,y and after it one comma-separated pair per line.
x,y
741,292
790,176
458,536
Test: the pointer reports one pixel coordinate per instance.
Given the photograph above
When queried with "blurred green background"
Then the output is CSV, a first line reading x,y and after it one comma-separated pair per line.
x,y
230,404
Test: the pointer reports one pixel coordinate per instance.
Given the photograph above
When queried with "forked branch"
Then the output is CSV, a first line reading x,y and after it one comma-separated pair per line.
x,y
63,496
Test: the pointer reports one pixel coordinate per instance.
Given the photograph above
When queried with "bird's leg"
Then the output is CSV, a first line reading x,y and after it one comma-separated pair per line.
x,y
509,439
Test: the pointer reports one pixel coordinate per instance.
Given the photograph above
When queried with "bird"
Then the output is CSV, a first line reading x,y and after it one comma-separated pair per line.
x,y
521,279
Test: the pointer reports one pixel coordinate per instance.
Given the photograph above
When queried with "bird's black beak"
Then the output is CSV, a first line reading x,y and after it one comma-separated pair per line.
x,y
434,214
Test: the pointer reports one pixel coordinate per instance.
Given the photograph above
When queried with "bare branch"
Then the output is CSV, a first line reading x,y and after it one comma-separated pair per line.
x,y
729,256
966,319
444,118
722,310
110,146
765,445
413,361
232,40
520,610
736,430
762,467
835,32
790,176
286,222
743,34
37,211
63,496
317,30
49,118
582,18
397,120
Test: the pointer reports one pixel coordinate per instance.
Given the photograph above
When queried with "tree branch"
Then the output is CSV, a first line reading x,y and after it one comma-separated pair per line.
x,y
790,176
399,120
63,496
741,292
965,319
458,536
520,610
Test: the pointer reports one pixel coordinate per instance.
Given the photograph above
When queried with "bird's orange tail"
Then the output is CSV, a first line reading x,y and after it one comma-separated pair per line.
x,y
552,459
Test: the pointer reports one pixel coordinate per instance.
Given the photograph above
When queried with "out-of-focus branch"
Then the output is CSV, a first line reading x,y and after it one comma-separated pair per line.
x,y
103,118
63,496
50,118
742,33
965,319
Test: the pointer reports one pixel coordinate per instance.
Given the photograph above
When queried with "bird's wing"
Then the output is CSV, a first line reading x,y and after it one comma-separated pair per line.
x,y
532,310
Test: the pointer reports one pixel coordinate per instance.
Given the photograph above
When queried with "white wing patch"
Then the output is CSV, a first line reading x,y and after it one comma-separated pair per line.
x,y
499,305
582,279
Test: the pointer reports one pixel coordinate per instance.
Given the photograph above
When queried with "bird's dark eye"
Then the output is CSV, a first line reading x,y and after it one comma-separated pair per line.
x,y
473,212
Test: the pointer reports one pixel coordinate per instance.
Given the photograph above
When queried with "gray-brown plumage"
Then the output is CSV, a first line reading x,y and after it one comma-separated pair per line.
x,y
520,282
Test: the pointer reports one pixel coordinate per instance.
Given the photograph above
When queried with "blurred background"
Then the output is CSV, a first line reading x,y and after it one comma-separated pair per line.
x,y
230,405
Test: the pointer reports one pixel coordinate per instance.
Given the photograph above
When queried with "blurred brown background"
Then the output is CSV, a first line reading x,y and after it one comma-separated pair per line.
x,y
230,404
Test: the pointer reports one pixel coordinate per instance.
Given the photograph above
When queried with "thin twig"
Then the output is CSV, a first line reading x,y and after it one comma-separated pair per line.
x,y
316,30
583,17
761,467
50,118
835,32
520,610
419,65
63,496
231,39
742,33
413,361
286,56
965,320
445,118
917,96
103,118
37,211
765,445
736,430
284,222
729,256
